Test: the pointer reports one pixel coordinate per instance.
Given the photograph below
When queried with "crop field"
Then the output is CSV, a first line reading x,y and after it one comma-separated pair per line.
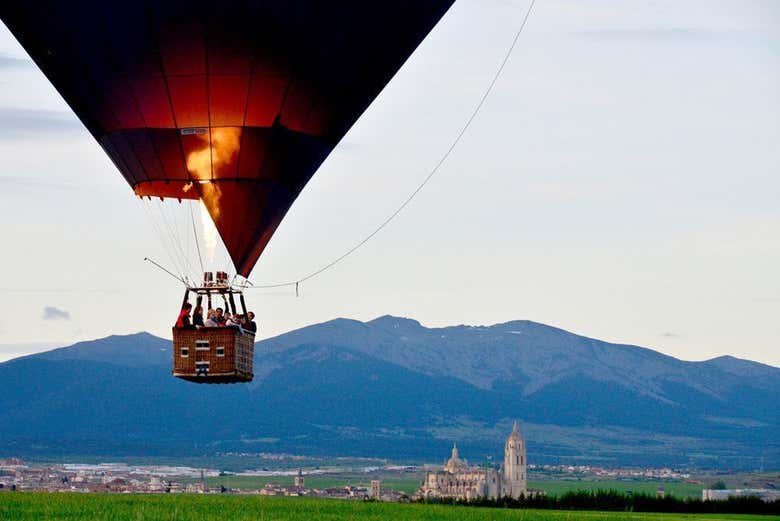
x,y
674,488
24,506
408,484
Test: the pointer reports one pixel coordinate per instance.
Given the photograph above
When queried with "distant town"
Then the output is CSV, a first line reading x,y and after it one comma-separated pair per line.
x,y
357,479
17,475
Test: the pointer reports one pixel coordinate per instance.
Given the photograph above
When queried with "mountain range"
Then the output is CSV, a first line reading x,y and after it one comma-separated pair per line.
x,y
393,388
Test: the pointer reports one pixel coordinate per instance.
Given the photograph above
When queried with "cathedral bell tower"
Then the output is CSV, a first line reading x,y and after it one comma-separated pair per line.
x,y
515,465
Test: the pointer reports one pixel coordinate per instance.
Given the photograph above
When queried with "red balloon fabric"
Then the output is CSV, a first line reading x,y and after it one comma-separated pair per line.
x,y
236,103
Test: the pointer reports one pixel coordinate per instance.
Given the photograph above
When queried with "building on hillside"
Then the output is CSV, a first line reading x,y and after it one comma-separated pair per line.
x,y
299,481
459,480
376,489
765,494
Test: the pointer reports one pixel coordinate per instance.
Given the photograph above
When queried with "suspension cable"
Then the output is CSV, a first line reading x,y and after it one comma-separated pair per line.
x,y
161,237
173,232
147,259
417,190
197,244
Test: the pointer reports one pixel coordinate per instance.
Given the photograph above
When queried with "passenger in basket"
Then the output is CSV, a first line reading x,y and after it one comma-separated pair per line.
x,y
235,321
197,317
184,316
250,325
210,319
219,317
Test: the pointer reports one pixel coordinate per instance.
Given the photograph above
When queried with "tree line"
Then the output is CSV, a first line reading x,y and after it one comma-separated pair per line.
x,y
622,501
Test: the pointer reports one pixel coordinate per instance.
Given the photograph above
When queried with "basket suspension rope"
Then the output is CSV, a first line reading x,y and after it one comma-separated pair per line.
x,y
232,303
180,224
180,279
166,228
174,237
195,234
158,232
166,244
433,171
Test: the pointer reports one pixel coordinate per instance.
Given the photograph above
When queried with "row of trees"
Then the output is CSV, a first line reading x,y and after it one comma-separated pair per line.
x,y
623,501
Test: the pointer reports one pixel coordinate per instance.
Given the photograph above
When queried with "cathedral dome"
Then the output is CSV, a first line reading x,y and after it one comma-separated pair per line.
x,y
454,464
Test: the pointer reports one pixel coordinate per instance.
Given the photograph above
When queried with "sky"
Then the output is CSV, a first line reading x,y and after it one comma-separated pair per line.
x,y
621,182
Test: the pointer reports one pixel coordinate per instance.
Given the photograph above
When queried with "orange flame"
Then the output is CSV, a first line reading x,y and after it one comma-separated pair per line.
x,y
220,147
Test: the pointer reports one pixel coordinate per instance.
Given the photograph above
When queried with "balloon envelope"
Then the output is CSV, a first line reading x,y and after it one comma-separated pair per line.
x,y
234,103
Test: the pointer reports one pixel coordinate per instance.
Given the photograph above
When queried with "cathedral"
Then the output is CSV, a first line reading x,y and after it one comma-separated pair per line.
x,y
460,481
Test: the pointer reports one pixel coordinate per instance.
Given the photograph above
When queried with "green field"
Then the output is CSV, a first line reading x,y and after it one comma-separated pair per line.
x,y
674,488
409,484
28,506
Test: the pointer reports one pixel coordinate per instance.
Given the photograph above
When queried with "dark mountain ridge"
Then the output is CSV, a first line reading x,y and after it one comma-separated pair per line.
x,y
391,387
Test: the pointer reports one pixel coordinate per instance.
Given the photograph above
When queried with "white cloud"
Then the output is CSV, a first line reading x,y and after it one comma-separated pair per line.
x,y
11,62
52,313
26,123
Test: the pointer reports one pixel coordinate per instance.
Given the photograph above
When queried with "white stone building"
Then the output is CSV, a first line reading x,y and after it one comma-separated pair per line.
x,y
458,480
765,494
376,489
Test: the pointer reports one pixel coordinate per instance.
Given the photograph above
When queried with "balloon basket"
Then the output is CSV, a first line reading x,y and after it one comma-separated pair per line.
x,y
213,355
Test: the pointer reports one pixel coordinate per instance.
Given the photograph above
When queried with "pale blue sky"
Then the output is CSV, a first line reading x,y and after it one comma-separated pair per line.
x,y
621,182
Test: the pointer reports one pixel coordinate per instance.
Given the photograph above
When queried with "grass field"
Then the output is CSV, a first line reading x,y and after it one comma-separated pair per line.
x,y
256,482
675,488
410,484
27,506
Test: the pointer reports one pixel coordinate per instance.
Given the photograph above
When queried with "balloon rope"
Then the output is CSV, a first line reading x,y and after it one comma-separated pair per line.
x,y
173,232
195,233
156,225
427,178
147,259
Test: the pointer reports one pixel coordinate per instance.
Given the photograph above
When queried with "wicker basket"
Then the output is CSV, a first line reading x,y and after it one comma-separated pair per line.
x,y
213,354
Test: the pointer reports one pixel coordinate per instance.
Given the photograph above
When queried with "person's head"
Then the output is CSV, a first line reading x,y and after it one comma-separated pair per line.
x,y
220,311
198,310
250,315
211,313
187,307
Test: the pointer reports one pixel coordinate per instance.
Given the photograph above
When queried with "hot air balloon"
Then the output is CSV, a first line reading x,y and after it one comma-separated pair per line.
x,y
234,104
